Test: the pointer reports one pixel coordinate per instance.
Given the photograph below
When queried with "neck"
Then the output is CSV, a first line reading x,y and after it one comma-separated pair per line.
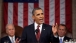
x,y
11,35
61,36
38,23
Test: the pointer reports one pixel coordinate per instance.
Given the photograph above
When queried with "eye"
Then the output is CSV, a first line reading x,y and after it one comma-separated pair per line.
x,y
59,29
38,14
41,13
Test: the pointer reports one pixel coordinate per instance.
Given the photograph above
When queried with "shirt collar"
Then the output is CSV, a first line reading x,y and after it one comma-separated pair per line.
x,y
11,37
35,24
61,37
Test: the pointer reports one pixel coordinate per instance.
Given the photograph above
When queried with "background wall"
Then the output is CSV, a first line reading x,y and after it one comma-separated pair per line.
x,y
73,17
0,16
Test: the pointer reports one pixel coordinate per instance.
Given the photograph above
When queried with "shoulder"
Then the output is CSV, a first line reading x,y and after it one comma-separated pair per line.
x,y
28,27
4,38
46,25
68,37
17,37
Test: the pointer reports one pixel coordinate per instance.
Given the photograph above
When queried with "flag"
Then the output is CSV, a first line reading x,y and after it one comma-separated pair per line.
x,y
19,12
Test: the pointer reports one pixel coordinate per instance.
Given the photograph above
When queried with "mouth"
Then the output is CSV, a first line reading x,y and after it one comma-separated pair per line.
x,y
41,20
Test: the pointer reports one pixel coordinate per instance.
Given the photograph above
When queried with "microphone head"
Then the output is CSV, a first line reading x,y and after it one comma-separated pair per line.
x,y
36,30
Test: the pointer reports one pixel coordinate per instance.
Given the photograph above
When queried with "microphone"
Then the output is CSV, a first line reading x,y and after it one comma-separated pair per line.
x,y
36,31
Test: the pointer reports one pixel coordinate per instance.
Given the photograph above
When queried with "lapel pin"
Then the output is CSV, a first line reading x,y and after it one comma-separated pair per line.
x,y
43,29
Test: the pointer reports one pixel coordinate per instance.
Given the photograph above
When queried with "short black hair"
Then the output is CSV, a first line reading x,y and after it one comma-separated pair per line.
x,y
38,8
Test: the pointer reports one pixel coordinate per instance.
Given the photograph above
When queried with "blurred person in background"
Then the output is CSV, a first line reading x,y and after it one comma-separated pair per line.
x,y
10,38
62,31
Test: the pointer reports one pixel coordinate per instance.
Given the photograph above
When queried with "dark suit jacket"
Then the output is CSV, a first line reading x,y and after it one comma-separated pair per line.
x,y
28,34
65,38
7,39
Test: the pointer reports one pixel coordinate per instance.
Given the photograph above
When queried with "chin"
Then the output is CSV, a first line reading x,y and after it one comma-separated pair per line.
x,y
12,34
41,22
61,36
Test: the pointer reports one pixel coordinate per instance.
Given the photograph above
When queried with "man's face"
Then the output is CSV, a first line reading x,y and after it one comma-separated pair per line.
x,y
61,31
10,30
38,16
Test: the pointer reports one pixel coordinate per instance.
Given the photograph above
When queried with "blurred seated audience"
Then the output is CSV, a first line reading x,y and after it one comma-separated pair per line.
x,y
10,37
62,31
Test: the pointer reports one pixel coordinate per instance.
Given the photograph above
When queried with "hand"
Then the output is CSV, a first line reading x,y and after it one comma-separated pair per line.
x,y
54,29
17,40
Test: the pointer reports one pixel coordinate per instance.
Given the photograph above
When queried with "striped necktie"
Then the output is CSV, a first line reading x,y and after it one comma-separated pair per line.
x,y
38,33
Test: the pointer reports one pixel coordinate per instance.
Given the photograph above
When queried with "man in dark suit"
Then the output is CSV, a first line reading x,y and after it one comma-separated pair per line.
x,y
38,32
10,38
62,30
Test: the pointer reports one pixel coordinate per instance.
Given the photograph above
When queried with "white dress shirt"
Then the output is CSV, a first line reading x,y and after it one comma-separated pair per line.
x,y
35,26
11,38
61,38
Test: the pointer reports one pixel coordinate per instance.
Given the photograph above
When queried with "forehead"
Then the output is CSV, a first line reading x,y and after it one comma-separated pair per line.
x,y
61,27
38,11
10,27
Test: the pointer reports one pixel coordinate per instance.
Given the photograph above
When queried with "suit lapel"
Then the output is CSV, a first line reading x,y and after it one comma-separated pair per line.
x,y
65,38
15,37
33,32
42,31
8,39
